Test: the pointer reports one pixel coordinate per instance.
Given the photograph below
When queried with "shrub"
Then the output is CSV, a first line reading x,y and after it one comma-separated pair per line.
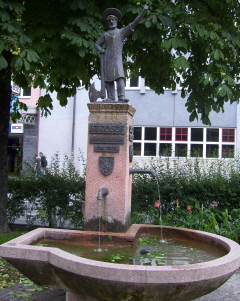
x,y
193,183
55,198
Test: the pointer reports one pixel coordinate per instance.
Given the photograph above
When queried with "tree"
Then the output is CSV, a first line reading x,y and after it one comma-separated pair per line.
x,y
50,44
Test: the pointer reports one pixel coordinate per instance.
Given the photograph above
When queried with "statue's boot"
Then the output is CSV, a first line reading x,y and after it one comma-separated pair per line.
x,y
123,99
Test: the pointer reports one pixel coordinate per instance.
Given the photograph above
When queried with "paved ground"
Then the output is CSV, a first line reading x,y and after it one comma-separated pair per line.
x,y
229,291
21,292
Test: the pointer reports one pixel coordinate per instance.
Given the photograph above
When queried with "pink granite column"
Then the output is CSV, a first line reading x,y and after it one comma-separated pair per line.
x,y
110,143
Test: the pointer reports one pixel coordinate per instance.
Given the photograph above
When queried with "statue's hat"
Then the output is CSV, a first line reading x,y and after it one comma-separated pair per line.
x,y
111,11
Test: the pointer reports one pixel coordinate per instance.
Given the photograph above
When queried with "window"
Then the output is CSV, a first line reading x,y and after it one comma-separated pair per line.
x,y
228,135
181,134
132,81
212,151
166,134
228,151
183,142
149,149
196,150
136,149
26,92
165,149
180,150
137,133
197,134
213,135
150,133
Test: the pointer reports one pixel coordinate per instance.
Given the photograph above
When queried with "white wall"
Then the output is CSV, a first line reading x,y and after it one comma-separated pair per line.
x,y
55,131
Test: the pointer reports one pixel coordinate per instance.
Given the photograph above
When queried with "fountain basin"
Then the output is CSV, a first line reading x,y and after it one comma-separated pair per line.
x,y
92,280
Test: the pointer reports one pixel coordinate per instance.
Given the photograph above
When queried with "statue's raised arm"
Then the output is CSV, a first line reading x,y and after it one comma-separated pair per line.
x,y
139,17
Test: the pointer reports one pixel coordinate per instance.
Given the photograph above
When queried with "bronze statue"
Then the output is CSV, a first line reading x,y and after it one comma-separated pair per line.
x,y
111,55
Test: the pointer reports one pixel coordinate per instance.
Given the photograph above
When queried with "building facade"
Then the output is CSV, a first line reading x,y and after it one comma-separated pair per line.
x,y
161,127
23,135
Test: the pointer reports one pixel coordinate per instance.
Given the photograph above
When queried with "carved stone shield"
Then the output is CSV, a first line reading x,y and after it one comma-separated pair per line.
x,y
106,165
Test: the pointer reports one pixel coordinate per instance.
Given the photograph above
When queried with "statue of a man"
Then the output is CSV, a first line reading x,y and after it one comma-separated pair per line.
x,y
111,55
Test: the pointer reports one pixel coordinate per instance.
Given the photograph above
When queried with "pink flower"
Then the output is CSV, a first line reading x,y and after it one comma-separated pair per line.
x,y
177,203
214,204
157,204
189,208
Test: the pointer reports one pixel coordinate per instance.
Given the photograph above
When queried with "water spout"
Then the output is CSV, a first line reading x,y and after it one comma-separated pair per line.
x,y
102,192
149,171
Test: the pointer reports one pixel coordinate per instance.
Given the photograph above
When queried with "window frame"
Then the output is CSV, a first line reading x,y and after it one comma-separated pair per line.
x,y
22,92
173,144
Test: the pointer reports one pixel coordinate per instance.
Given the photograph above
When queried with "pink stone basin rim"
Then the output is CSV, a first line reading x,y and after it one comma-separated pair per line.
x,y
95,280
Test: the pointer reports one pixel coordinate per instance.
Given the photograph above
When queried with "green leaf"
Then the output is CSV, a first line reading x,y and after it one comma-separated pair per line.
x,y
85,43
148,23
3,63
2,46
224,90
193,116
231,81
183,93
26,64
167,44
175,43
181,63
167,22
135,35
45,101
218,54
17,63
32,56
208,80
213,35
4,16
81,52
9,27
24,39
82,25
39,82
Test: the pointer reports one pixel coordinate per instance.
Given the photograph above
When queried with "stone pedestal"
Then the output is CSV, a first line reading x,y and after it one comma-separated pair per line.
x,y
108,162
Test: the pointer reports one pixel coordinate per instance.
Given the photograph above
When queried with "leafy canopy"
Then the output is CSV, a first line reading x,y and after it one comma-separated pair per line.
x,y
195,43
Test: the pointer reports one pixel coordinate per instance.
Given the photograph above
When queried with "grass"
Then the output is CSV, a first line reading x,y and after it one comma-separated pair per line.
x,y
8,274
4,237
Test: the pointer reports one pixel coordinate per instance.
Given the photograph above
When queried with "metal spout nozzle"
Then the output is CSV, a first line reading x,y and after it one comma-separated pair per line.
x,y
149,171
102,192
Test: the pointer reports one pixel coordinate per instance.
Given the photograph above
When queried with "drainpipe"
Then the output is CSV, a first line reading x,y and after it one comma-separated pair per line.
x,y
73,124
38,123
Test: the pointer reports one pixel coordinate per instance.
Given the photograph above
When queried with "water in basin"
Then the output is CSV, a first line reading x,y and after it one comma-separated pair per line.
x,y
151,250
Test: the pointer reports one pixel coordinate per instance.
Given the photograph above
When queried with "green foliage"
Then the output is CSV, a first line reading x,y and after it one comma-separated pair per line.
x,y
8,274
55,197
10,235
197,194
193,43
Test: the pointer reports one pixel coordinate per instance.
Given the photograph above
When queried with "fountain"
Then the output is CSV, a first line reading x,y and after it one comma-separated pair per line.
x,y
107,219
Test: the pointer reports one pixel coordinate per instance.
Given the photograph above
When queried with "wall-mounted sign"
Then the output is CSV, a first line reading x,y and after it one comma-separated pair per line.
x,y
107,139
130,153
16,128
16,89
107,128
106,148
131,133
106,165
